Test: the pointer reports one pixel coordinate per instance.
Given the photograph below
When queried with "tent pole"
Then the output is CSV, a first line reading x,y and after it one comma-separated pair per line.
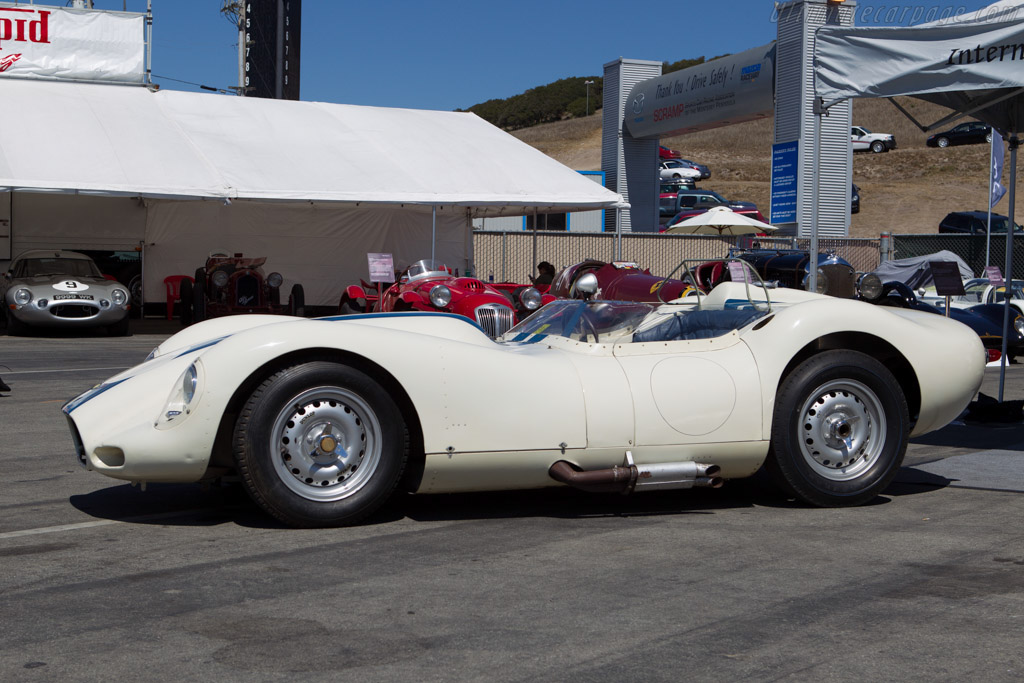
x,y
991,177
433,231
533,264
812,256
618,233
1008,276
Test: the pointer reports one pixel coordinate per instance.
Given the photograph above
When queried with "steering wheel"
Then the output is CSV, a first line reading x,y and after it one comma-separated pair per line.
x,y
588,329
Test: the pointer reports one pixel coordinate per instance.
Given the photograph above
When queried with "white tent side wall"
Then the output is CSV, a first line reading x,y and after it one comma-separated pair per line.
x,y
44,220
321,246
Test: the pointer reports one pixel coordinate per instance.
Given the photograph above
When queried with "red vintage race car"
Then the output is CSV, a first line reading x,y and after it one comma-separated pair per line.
x,y
229,285
619,281
429,285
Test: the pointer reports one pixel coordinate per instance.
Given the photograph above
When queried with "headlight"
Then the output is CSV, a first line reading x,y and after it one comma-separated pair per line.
x,y
440,296
220,278
22,296
1018,323
870,286
275,279
530,298
119,296
822,284
182,398
188,384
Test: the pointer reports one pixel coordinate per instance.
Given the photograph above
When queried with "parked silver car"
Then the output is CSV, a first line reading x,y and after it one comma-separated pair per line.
x,y
56,288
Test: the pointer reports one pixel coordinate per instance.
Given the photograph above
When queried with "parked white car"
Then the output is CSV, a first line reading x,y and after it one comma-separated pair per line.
x,y
323,419
674,169
980,291
864,140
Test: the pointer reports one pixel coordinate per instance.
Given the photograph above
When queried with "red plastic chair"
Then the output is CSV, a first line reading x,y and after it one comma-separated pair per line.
x,y
173,284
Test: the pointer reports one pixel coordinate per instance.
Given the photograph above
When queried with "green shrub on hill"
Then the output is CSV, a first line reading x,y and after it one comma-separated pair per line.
x,y
563,99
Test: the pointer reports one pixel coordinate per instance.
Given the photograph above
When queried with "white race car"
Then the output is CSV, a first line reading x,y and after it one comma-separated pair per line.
x,y
324,418
980,291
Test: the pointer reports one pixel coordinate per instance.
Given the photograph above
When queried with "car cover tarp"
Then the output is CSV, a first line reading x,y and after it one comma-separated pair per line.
x,y
914,271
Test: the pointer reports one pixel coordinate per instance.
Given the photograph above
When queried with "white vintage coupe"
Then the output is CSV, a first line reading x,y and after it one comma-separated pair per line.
x,y
324,418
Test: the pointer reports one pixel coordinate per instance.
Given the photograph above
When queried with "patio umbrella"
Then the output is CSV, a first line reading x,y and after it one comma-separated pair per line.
x,y
720,220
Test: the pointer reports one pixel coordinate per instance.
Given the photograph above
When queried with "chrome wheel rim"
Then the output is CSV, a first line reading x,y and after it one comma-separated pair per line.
x,y
842,429
327,444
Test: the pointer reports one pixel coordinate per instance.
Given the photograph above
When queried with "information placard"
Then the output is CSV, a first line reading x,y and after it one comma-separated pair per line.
x,y
947,278
382,267
994,275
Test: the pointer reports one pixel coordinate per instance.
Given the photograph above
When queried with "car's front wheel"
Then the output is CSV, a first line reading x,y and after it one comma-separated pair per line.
x,y
297,301
839,430
877,147
942,142
320,444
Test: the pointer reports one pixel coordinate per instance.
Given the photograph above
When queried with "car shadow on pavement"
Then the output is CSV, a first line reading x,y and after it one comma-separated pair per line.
x,y
192,505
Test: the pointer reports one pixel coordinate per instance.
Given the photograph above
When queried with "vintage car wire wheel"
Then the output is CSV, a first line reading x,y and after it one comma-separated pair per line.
x,y
320,444
839,430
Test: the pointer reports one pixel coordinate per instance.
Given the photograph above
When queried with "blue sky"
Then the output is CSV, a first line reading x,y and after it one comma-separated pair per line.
x,y
448,54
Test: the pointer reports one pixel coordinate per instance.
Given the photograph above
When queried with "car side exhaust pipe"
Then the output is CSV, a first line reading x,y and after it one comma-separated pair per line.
x,y
631,477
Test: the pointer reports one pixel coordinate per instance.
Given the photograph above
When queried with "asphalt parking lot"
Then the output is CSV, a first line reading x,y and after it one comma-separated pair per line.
x,y
102,581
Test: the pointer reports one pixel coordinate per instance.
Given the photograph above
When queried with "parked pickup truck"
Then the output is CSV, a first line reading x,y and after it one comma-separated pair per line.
x,y
865,141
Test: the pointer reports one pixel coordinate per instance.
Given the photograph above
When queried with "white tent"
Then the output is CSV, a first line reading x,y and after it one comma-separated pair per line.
x,y
312,186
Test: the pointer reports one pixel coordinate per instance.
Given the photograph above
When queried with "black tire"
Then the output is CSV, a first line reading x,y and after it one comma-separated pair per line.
x,y
135,290
328,488
297,301
813,411
15,328
118,329
185,295
350,307
942,142
199,301
877,147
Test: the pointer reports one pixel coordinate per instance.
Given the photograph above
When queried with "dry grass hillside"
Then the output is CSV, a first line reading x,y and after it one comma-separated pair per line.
x,y
908,190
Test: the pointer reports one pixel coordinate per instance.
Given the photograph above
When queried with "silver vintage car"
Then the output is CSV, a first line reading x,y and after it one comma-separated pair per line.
x,y
57,288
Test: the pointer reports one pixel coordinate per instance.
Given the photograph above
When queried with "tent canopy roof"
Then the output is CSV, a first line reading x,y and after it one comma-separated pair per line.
x,y
971,63
130,140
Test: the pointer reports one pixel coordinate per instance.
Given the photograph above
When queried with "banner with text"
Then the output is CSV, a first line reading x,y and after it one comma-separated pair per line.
x,y
57,43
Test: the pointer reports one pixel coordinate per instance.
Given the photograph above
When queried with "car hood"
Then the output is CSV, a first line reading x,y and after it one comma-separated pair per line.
x,y
44,280
213,331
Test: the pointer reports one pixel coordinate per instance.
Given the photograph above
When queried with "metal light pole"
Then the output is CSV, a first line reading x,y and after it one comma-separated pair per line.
x,y
588,84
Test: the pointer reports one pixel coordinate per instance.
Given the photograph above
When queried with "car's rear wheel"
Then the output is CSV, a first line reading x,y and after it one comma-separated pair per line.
x,y
320,444
942,142
839,431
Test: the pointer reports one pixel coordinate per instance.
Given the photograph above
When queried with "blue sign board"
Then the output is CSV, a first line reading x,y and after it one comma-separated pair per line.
x,y
784,165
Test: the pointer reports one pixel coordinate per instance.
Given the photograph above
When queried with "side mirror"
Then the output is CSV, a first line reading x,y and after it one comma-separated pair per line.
x,y
8,276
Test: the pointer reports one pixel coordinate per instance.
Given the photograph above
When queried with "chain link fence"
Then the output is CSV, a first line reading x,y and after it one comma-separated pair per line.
x,y
512,256
971,248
